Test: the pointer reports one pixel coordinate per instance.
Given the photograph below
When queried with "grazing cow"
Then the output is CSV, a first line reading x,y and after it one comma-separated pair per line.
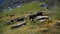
x,y
39,14
10,22
18,25
20,19
32,17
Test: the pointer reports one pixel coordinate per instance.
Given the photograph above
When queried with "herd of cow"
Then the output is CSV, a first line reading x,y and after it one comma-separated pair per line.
x,y
38,16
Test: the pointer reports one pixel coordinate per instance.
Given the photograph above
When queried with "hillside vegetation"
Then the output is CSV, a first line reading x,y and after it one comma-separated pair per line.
x,y
34,27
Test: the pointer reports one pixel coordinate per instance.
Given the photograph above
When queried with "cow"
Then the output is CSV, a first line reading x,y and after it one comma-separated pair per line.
x,y
20,19
10,22
18,25
32,17
39,14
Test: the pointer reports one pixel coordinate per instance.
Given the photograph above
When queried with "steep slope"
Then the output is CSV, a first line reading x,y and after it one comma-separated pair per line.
x,y
31,27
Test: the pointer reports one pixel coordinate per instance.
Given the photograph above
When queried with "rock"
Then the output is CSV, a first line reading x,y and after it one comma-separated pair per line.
x,y
42,17
18,25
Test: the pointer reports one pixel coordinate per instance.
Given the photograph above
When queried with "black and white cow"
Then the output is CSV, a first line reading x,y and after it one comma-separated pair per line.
x,y
32,17
20,19
10,22
39,14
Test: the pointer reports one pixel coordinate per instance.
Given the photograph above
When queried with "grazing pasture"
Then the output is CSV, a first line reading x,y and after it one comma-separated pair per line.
x,y
31,27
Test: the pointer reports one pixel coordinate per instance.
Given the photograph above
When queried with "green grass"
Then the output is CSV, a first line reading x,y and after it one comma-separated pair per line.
x,y
31,27
26,8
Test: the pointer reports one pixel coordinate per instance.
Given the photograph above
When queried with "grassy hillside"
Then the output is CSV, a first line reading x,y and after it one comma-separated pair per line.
x,y
25,9
34,27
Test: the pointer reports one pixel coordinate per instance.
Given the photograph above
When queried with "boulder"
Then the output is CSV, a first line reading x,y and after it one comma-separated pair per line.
x,y
42,17
18,25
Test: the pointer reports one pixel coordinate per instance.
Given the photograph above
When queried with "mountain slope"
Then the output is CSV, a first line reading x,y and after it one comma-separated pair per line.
x,y
31,27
